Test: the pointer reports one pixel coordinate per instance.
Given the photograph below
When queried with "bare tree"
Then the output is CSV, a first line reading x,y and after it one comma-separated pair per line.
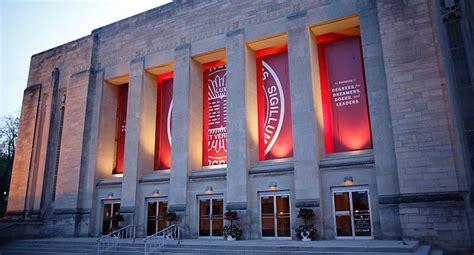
x,y
8,135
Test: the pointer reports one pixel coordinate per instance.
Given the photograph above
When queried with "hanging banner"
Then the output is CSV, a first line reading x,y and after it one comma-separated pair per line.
x,y
345,90
164,106
215,116
275,130
120,129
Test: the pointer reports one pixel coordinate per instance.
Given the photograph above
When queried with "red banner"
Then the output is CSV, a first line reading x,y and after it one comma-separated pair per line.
x,y
164,106
120,126
346,125
215,116
274,106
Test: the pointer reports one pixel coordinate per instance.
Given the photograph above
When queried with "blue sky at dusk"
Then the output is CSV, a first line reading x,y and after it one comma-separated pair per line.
x,y
28,27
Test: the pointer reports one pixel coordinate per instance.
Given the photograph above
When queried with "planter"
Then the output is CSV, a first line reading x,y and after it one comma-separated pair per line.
x,y
230,238
305,236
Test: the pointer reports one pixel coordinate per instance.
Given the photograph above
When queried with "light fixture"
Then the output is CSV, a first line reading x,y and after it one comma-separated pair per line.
x,y
348,180
156,193
110,195
209,190
273,185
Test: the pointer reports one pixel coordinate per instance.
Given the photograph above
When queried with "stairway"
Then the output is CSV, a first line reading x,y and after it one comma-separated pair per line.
x,y
56,246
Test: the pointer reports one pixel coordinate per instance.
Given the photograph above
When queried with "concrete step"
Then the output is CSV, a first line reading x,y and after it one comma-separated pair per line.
x,y
56,246
436,252
423,250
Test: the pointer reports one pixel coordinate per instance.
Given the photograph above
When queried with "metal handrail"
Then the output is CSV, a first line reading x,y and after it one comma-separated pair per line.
x,y
115,238
157,240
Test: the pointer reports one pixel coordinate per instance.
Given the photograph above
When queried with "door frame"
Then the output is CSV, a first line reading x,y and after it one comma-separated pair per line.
x,y
350,190
274,194
152,199
210,197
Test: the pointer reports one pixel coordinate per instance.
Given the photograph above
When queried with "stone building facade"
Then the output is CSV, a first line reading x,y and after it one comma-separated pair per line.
x,y
93,122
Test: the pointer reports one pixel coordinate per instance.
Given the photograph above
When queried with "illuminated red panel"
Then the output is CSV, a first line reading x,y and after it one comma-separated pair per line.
x,y
345,111
274,106
164,105
120,128
215,114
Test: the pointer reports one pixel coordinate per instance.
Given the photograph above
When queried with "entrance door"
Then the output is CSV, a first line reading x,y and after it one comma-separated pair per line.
x,y
275,216
211,217
352,214
156,216
111,217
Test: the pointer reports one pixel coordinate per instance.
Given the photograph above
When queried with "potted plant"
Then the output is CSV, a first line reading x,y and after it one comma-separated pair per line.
x,y
170,217
117,217
232,232
306,231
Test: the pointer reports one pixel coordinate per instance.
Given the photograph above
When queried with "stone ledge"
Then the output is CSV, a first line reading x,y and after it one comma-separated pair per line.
x,y
241,206
206,173
363,158
117,181
156,176
273,166
421,198
302,203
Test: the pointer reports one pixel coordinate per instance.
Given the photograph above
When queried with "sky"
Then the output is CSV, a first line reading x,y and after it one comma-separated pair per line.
x,y
28,27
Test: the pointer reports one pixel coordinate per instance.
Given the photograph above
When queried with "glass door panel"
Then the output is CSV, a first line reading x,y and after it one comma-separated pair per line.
x,y
107,218
283,216
217,219
115,212
360,200
268,223
343,214
151,218
205,217
162,209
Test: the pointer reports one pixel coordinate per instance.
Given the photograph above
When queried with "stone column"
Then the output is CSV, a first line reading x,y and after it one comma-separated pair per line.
x,y
381,123
241,120
66,206
186,147
305,132
21,164
139,148
87,197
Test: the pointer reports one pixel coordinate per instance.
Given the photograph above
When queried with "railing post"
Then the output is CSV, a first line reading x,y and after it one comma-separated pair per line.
x,y
144,241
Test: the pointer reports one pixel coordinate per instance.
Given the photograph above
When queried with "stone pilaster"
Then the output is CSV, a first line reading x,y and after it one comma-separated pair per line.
x,y
305,132
186,147
66,205
139,148
241,120
380,119
21,164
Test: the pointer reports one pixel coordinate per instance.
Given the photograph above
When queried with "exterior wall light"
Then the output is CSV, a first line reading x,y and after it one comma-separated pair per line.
x,y
156,193
110,195
209,190
273,185
348,180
